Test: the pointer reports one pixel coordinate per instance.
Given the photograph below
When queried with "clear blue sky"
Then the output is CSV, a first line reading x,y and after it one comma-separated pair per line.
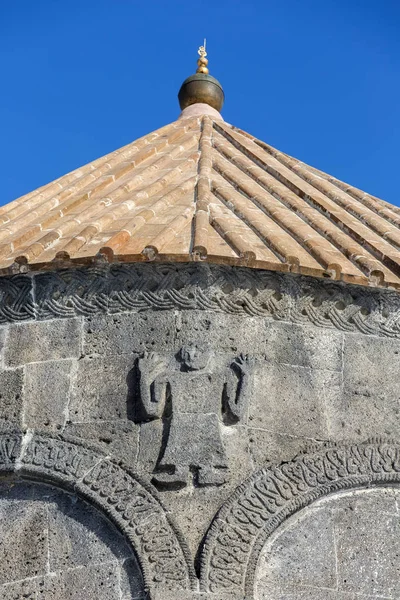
x,y
317,79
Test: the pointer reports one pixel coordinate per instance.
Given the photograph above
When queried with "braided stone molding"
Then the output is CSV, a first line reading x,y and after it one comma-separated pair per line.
x,y
236,290
260,505
115,491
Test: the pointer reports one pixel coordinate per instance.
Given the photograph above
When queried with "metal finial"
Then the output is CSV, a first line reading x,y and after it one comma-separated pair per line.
x,y
201,88
202,61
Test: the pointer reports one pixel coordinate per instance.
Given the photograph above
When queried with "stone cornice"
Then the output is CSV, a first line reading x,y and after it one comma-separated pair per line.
x,y
196,286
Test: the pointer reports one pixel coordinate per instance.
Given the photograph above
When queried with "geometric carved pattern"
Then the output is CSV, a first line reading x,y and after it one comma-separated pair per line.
x,y
259,506
128,502
234,290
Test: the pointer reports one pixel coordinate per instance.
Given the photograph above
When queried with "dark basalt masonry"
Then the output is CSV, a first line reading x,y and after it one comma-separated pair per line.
x,y
173,432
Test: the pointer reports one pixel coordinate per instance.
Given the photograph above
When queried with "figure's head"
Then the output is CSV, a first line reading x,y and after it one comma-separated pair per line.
x,y
195,357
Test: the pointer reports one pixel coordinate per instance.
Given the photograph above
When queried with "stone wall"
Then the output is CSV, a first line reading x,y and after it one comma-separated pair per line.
x,y
150,394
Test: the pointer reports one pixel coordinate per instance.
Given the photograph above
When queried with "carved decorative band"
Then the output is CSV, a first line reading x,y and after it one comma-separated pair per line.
x,y
115,491
235,290
262,504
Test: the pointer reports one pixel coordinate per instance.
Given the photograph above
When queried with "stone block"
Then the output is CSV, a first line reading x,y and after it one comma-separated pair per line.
x,y
301,553
193,447
344,546
23,534
103,389
370,405
236,446
267,448
11,398
182,595
274,592
27,589
3,335
303,345
79,537
129,333
41,341
368,545
150,446
193,508
97,582
47,394
279,342
120,439
225,332
293,400
56,547
130,582
196,391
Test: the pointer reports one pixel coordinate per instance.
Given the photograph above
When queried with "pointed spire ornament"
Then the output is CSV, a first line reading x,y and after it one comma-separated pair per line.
x,y
202,62
201,88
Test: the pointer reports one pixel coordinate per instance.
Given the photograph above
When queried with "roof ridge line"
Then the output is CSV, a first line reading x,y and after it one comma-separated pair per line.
x,y
201,218
290,232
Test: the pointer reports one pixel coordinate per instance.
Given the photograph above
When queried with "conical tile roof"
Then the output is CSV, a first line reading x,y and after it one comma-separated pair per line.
x,y
199,189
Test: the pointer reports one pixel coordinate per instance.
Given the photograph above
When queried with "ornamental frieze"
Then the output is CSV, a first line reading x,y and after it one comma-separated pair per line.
x,y
240,291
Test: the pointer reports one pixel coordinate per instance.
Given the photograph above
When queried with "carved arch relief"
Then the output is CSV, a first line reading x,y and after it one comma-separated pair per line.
x,y
116,492
261,505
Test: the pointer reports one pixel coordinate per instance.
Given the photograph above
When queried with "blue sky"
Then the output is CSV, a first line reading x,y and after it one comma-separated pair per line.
x,y
318,80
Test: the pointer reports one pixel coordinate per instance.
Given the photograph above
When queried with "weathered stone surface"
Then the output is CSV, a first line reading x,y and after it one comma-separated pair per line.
x,y
293,400
150,447
293,560
368,556
195,507
47,394
303,346
267,448
55,546
3,335
20,522
194,446
129,333
77,537
40,341
369,405
252,516
224,332
331,550
28,589
103,388
11,397
120,438
297,593
310,383
95,582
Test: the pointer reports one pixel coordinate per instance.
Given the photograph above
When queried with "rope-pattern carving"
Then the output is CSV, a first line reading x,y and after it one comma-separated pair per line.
x,y
198,286
16,299
260,505
110,486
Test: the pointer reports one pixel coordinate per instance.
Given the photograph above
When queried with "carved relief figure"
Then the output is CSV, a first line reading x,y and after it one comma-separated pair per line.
x,y
191,393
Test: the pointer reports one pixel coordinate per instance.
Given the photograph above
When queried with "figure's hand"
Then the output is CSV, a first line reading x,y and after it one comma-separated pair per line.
x,y
243,364
152,365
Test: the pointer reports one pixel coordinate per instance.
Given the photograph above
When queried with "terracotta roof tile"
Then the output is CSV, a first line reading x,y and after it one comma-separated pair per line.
x,y
200,189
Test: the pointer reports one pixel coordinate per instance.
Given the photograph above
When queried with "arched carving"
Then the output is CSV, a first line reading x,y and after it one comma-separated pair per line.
x,y
111,487
261,504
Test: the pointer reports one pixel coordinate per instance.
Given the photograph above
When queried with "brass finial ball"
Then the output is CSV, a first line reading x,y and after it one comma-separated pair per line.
x,y
201,87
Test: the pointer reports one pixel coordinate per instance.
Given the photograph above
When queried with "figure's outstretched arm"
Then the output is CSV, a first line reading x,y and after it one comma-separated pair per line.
x,y
152,369
238,386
